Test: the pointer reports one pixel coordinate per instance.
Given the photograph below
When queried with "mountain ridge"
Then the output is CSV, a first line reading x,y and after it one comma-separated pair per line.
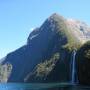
x,y
56,35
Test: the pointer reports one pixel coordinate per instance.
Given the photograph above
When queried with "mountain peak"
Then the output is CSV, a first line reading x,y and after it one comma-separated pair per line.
x,y
55,16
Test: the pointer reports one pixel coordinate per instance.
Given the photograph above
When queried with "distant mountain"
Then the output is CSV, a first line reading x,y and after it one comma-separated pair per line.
x,y
46,56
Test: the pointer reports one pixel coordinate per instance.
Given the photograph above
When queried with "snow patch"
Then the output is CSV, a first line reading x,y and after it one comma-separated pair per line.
x,y
33,36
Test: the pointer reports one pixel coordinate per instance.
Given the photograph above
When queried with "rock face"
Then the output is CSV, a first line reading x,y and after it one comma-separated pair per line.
x,y
36,61
83,62
80,29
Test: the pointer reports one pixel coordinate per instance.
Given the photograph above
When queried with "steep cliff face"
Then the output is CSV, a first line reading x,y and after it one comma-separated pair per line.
x,y
56,35
83,64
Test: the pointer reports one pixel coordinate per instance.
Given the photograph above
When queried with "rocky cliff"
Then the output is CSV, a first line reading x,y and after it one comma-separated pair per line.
x,y
83,64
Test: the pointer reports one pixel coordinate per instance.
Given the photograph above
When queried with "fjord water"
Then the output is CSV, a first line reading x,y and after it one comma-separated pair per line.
x,y
41,86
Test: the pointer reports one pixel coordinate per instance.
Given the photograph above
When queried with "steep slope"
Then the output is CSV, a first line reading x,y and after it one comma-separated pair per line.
x,y
80,29
83,63
56,35
63,43
24,59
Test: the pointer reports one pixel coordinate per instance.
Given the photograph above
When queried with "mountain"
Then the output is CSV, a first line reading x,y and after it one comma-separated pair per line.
x,y
46,56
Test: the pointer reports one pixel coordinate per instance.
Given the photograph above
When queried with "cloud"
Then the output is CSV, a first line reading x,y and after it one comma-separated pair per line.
x,y
31,29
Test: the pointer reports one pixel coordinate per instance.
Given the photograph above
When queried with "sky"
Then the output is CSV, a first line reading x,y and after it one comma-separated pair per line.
x,y
19,17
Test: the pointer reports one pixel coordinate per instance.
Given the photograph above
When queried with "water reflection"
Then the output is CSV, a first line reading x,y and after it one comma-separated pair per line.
x,y
69,88
57,86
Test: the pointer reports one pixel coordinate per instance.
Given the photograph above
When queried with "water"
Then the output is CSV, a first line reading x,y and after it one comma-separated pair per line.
x,y
41,86
74,77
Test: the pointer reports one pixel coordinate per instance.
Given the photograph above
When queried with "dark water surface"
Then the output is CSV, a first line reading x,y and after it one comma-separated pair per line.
x,y
40,86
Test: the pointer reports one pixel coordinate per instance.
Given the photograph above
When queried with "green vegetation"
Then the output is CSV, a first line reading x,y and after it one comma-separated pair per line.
x,y
83,61
70,42
85,51
43,69
87,54
71,46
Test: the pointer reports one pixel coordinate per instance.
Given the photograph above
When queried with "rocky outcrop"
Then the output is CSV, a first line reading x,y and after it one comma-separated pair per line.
x,y
5,71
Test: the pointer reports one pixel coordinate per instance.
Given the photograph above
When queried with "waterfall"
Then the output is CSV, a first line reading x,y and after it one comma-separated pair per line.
x,y
74,77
